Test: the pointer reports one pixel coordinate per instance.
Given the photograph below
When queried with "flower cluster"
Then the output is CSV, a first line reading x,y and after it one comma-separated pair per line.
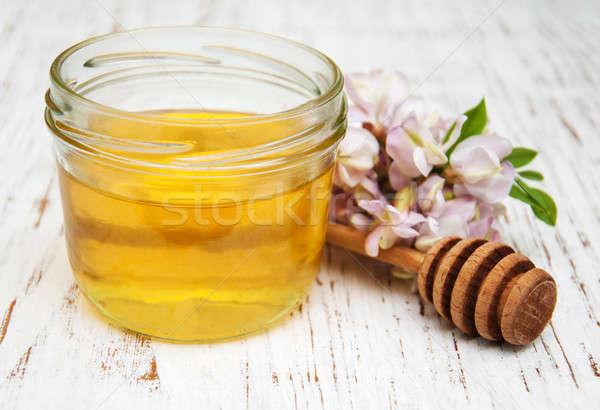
x,y
414,177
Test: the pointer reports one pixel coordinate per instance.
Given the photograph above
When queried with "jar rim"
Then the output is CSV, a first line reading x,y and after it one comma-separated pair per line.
x,y
334,89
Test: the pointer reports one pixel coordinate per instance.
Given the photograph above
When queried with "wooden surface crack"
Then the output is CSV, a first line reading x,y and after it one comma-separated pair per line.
x,y
6,320
461,377
42,204
564,355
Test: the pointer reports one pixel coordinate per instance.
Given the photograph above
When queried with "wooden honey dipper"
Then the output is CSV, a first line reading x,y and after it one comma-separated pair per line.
x,y
483,287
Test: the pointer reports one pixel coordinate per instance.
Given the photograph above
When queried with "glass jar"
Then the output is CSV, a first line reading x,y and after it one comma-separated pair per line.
x,y
195,167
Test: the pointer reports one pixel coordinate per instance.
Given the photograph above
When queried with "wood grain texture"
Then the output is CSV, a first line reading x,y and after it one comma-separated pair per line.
x,y
447,271
485,289
428,269
526,306
346,237
491,290
468,282
361,339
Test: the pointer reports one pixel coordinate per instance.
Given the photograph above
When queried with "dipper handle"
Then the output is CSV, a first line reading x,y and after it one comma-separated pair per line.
x,y
484,288
354,240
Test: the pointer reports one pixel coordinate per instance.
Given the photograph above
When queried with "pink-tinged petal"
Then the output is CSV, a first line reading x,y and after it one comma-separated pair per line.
x,y
495,188
358,142
399,147
434,154
428,235
403,109
477,158
508,170
375,207
463,208
398,112
475,164
402,222
394,214
353,83
414,218
404,231
461,155
372,241
357,115
388,238
419,130
411,123
379,95
427,152
429,193
360,161
485,209
438,127
403,217
395,116
347,176
497,145
460,190
397,144
405,198
430,227
460,120
453,225
357,155
397,178
480,227
420,161
438,205
371,187
360,221
340,176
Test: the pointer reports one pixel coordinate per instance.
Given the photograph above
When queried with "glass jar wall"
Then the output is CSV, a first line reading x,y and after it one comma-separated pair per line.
x,y
195,168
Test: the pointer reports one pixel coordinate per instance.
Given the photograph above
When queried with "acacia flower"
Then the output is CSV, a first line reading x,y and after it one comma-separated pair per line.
x,y
452,221
476,162
417,146
390,224
378,97
440,186
484,225
357,154
430,197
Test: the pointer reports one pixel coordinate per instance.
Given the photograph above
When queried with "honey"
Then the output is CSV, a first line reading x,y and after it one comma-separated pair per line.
x,y
195,177
194,271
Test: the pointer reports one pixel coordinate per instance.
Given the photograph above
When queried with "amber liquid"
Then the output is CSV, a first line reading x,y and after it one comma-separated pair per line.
x,y
193,271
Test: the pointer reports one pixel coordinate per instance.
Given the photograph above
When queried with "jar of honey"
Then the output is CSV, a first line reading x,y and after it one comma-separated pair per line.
x,y
195,169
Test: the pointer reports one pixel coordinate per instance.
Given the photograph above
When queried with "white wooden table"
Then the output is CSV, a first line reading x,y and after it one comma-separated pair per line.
x,y
356,342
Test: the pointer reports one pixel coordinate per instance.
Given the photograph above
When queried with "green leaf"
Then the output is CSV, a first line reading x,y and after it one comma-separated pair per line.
x,y
519,194
533,175
474,125
541,203
547,212
521,156
447,136
476,120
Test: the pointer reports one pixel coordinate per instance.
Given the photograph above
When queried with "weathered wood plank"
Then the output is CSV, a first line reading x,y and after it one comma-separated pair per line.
x,y
361,339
